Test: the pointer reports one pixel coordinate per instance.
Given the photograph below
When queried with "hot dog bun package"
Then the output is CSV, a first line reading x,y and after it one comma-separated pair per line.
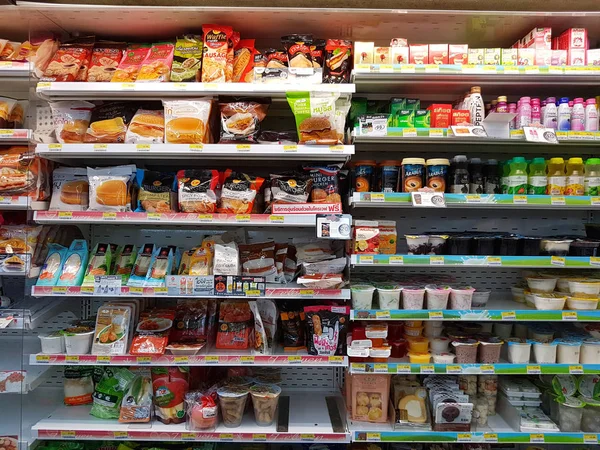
x,y
110,188
70,189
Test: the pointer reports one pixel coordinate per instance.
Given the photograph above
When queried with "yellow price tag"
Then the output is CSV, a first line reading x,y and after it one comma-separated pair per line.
x,y
453,369
436,132
534,370
127,86
373,437
120,434
490,437
436,260
136,290
489,69
44,85
432,68
196,147
519,199
72,359
307,292
557,261
463,437
87,289
6,132
561,135
487,369
365,259
259,437
188,436
294,359
276,219
473,198
557,200
247,359
385,68
590,438
569,315
536,438
336,148
380,368
436,315
382,315
336,359
508,315
307,437
243,147
42,358
65,214
59,290
154,216
358,367
226,436
205,217
403,368
103,359
242,217
396,260
427,368
100,147
576,370
595,201
409,132
209,86
67,434
494,261
144,359
161,291
594,261
378,197
109,215
362,67
290,148
253,293
182,360
142,147
211,359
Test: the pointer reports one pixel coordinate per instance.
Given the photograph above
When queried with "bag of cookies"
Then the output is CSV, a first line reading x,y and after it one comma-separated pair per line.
x,y
130,65
315,117
105,59
70,189
157,65
216,48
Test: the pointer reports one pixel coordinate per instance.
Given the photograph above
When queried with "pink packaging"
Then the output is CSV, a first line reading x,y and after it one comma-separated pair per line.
x,y
543,57
458,53
593,57
400,55
438,53
419,54
399,42
559,57
576,57
526,56
538,38
574,38
555,43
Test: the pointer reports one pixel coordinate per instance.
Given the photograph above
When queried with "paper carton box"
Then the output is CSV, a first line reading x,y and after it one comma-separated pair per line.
x,y
400,55
509,56
438,53
526,56
476,55
593,57
363,52
559,57
543,57
574,38
419,54
460,117
576,57
441,115
491,56
382,55
458,53
538,38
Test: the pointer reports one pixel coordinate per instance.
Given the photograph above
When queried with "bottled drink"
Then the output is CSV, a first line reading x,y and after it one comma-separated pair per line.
x,y
564,115
475,176
524,117
504,178
578,115
537,179
550,116
536,113
493,105
512,108
575,177
476,106
557,180
491,179
502,106
591,115
517,176
459,182
591,182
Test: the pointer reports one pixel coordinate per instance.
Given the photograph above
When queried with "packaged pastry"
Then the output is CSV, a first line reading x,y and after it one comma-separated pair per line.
x,y
105,59
71,120
98,264
152,332
290,264
70,189
136,406
141,266
109,188
235,325
243,61
130,64
232,43
52,265
16,119
112,330
293,324
293,187
232,401
276,59
241,118
327,327
317,53
259,260
157,64
226,259
6,106
190,326
75,265
216,48
187,59
109,122
298,52
315,117
238,192
186,121
124,262
22,173
146,127
9,49
370,397
156,192
201,261
196,190
325,183
71,58
170,385
265,398
161,265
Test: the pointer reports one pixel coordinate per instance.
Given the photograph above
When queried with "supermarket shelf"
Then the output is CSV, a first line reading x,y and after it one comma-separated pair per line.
x,y
308,421
22,204
124,91
556,262
503,368
171,219
273,291
61,152
14,136
497,431
14,69
502,309
497,201
29,314
13,361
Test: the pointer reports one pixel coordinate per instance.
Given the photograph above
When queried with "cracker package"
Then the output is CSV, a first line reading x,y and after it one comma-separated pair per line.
x,y
216,48
109,122
196,190
109,188
299,53
157,65
156,191
315,117
105,59
243,61
130,64
146,127
98,264
71,120
241,118
238,192
71,58
327,327
141,266
187,121
187,59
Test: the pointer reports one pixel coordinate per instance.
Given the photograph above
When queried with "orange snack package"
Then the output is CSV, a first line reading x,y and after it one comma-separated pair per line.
x,y
24,174
152,333
243,61
106,57
216,49
232,43
235,325
68,61
238,192
131,63
157,65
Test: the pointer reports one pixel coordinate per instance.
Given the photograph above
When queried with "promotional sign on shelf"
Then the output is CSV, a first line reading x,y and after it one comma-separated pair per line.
x,y
428,199
540,135
334,226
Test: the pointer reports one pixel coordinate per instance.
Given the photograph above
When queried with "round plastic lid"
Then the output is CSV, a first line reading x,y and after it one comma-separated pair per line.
x,y
539,161
366,162
557,160
593,161
413,161
519,159
575,161
443,162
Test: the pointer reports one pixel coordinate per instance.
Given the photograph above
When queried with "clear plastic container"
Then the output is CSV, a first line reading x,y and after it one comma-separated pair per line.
x,y
265,398
544,352
570,414
419,358
519,352
568,351
389,297
541,284
437,296
443,358
590,352
461,298
413,298
480,299
503,330
232,401
362,296
439,345
590,420
518,294
418,345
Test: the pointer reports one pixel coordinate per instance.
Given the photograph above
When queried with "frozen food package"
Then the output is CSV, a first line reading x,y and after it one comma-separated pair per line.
x,y
315,117
141,266
130,64
6,106
112,330
16,119
298,52
241,118
71,58
187,59
292,187
105,59
136,406
146,127
109,188
52,266
70,189
157,65
187,121
99,263
243,62
152,332
235,325
216,48
78,385
327,327
238,192
338,61
196,190
109,122
71,120
325,183
75,265
156,192
259,260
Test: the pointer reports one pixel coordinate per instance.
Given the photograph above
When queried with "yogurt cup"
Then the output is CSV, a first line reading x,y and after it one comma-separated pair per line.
x,y
544,352
562,285
568,351
362,296
412,298
389,296
541,284
265,398
549,301
460,298
578,303
78,342
489,351
437,296
418,345
590,351
437,243
419,358
443,358
439,345
520,330
480,299
542,335
417,244
518,294
570,414
433,332
53,343
466,351
519,352
584,289
503,330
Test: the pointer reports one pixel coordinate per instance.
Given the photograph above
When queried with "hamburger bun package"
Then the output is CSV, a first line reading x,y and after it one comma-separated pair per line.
x,y
186,121
70,189
109,122
109,188
146,127
241,118
315,114
71,120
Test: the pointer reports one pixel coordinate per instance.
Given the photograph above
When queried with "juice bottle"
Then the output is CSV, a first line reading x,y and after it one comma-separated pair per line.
x,y
504,179
502,106
564,115
550,115
575,177
578,115
517,176
537,179
524,117
557,180
476,176
476,106
591,115
591,182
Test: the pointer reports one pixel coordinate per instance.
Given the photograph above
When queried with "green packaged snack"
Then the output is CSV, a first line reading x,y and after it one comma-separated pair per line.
x,y
187,59
406,118
98,263
124,262
315,117
422,118
109,392
413,103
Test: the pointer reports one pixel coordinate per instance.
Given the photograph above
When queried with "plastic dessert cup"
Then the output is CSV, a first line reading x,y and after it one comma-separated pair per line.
x,y
437,244
489,351
389,296
417,244
562,285
520,330
265,398
519,352
362,296
466,351
517,294
443,358
582,303
590,352
541,284
549,301
53,343
78,343
542,335
439,345
419,358
412,298
570,414
529,299
590,422
568,351
461,298
503,330
584,289
418,345
413,331
480,299
437,297
544,352
232,401
413,323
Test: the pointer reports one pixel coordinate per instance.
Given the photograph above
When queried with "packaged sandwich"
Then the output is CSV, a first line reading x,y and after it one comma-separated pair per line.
x,y
71,120
259,260
241,118
6,107
141,266
22,173
130,64
109,122
70,189
98,263
52,266
338,61
186,121
16,119
157,65
111,335
243,61
156,191
231,45
109,188
105,59
292,187
161,265
146,127
187,59
71,58
196,190
298,52
276,59
238,192
325,186
315,117
216,47
125,262
75,265
10,48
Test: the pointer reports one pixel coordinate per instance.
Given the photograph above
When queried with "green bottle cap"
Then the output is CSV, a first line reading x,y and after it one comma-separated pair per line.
x,y
519,159
540,161
593,161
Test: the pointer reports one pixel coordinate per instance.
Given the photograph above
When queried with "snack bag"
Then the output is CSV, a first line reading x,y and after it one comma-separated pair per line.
x,y
109,122
327,327
75,264
238,192
243,61
338,61
71,120
201,261
109,188
325,186
187,59
110,391
146,127
293,324
78,385
235,322
22,173
241,118
157,65
105,59
152,333
71,58
315,117
130,65
197,190
299,53
187,121
231,45
136,405
216,48
156,191
98,264
124,262
290,187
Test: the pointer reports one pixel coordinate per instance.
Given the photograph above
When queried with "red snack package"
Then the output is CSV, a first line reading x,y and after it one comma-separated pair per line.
x,y
68,60
216,50
170,385
152,332
243,61
238,192
190,321
235,325
106,57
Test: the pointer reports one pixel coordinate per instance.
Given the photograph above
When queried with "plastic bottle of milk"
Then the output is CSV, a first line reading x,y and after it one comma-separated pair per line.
x,y
564,115
550,115
476,106
524,117
578,115
591,115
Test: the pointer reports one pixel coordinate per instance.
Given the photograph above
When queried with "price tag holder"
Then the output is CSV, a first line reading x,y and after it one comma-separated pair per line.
x,y
436,260
65,434
436,315
557,261
109,216
487,369
396,260
290,148
120,435
365,259
454,369
436,132
184,360
536,438
595,261
359,367
247,359
540,135
463,437
380,368
142,147
188,436
243,147
72,359
534,370
211,360
590,438
259,437
373,437
519,199
336,360
490,437
428,199
43,359
294,359
576,370
109,285
427,368
196,147
55,147
494,261
144,360
377,197
508,315
334,226
242,218
276,219
569,316
307,437
100,147
473,198
403,368
409,132
103,360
